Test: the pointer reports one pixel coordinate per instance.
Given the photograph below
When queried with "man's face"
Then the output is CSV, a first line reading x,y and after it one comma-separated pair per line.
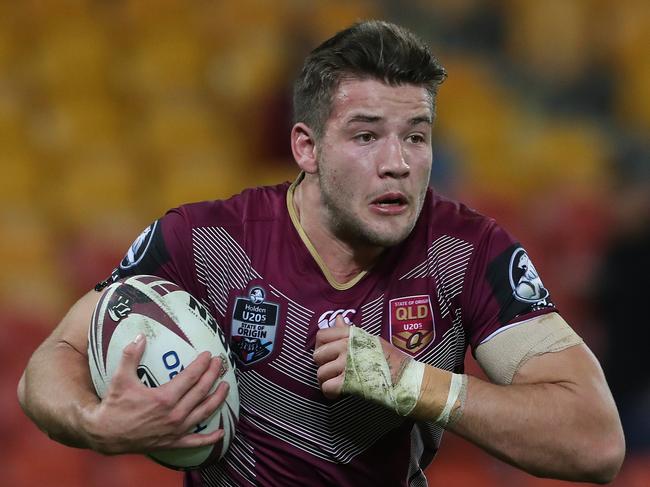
x,y
374,161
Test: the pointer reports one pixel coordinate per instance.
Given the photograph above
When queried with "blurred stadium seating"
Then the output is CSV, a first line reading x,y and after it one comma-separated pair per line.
x,y
113,112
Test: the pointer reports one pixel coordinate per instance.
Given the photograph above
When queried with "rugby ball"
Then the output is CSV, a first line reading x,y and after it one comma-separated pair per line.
x,y
177,328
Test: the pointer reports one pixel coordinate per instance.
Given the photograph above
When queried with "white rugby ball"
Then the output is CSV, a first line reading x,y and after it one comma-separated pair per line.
x,y
177,328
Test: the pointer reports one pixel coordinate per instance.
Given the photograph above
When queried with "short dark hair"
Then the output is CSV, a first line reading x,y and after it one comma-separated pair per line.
x,y
372,49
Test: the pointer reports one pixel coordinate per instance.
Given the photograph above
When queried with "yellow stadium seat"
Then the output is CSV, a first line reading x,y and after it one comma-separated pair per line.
x,y
19,183
331,16
164,62
71,55
564,153
97,183
630,38
200,177
28,251
479,117
172,129
248,70
633,96
550,39
69,124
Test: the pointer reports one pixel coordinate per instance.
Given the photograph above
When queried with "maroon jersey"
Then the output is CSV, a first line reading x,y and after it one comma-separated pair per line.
x,y
455,281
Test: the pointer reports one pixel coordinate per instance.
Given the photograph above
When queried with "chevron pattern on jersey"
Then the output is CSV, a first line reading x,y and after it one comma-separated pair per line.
x,y
450,352
371,314
447,260
215,476
239,457
221,264
335,432
295,359
447,355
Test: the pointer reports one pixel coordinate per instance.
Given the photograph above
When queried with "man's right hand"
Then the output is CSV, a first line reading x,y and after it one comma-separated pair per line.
x,y
134,418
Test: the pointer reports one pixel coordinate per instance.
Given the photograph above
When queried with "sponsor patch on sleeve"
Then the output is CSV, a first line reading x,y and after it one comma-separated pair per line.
x,y
145,256
516,284
139,247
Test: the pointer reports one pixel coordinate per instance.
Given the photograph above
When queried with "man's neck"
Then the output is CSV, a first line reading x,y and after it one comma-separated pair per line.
x,y
343,259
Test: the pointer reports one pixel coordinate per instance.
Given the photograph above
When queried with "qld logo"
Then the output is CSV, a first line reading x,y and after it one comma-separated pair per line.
x,y
411,323
524,279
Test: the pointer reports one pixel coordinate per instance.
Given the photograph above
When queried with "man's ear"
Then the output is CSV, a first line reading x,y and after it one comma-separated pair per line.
x,y
303,146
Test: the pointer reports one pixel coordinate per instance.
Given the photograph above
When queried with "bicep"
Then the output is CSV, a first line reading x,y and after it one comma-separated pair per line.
x,y
542,350
504,356
575,365
70,340
73,328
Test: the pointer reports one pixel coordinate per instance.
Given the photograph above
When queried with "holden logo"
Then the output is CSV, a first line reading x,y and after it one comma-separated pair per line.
x,y
328,319
524,279
139,247
257,295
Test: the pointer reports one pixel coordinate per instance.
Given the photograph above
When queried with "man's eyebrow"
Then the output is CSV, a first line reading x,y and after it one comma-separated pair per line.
x,y
421,119
364,118
376,118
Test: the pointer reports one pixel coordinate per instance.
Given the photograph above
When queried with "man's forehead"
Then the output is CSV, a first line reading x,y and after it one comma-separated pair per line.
x,y
373,98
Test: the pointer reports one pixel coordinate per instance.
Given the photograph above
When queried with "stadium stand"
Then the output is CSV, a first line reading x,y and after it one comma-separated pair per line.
x,y
112,112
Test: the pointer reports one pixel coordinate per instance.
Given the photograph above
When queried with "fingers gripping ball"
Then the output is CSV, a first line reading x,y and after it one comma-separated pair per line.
x,y
419,390
177,329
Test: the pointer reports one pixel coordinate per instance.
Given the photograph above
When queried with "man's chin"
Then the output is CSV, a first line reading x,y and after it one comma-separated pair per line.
x,y
387,236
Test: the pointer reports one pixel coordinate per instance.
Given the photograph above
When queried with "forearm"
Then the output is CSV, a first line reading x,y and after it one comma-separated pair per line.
x,y
56,392
547,429
557,418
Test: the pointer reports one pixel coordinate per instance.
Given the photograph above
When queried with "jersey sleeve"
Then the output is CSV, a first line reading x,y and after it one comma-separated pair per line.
x,y
504,287
163,249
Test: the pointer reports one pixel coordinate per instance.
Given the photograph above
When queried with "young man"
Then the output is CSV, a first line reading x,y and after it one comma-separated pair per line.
x,y
374,286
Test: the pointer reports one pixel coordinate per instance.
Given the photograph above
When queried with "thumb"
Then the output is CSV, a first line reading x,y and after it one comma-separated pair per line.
x,y
340,322
132,354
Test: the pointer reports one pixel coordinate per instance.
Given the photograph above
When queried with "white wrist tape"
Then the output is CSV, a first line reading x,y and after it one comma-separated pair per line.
x,y
458,383
367,374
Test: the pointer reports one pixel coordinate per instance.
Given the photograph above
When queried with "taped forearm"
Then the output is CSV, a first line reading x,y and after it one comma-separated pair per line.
x,y
416,390
442,397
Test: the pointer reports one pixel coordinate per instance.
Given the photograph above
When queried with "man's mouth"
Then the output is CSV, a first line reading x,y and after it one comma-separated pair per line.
x,y
390,199
390,203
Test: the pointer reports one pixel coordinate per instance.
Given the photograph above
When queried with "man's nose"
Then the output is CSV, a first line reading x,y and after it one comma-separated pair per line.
x,y
392,161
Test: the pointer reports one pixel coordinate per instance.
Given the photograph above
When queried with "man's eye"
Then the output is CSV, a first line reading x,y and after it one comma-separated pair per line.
x,y
416,138
365,137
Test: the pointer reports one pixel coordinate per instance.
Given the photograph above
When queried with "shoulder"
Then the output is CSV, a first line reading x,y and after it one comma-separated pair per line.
x,y
449,235
487,239
450,218
253,204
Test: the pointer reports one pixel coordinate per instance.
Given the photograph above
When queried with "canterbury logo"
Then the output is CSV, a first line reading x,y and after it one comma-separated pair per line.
x,y
327,319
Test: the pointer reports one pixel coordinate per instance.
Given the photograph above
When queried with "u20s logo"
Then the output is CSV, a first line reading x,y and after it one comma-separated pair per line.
x,y
411,323
253,326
